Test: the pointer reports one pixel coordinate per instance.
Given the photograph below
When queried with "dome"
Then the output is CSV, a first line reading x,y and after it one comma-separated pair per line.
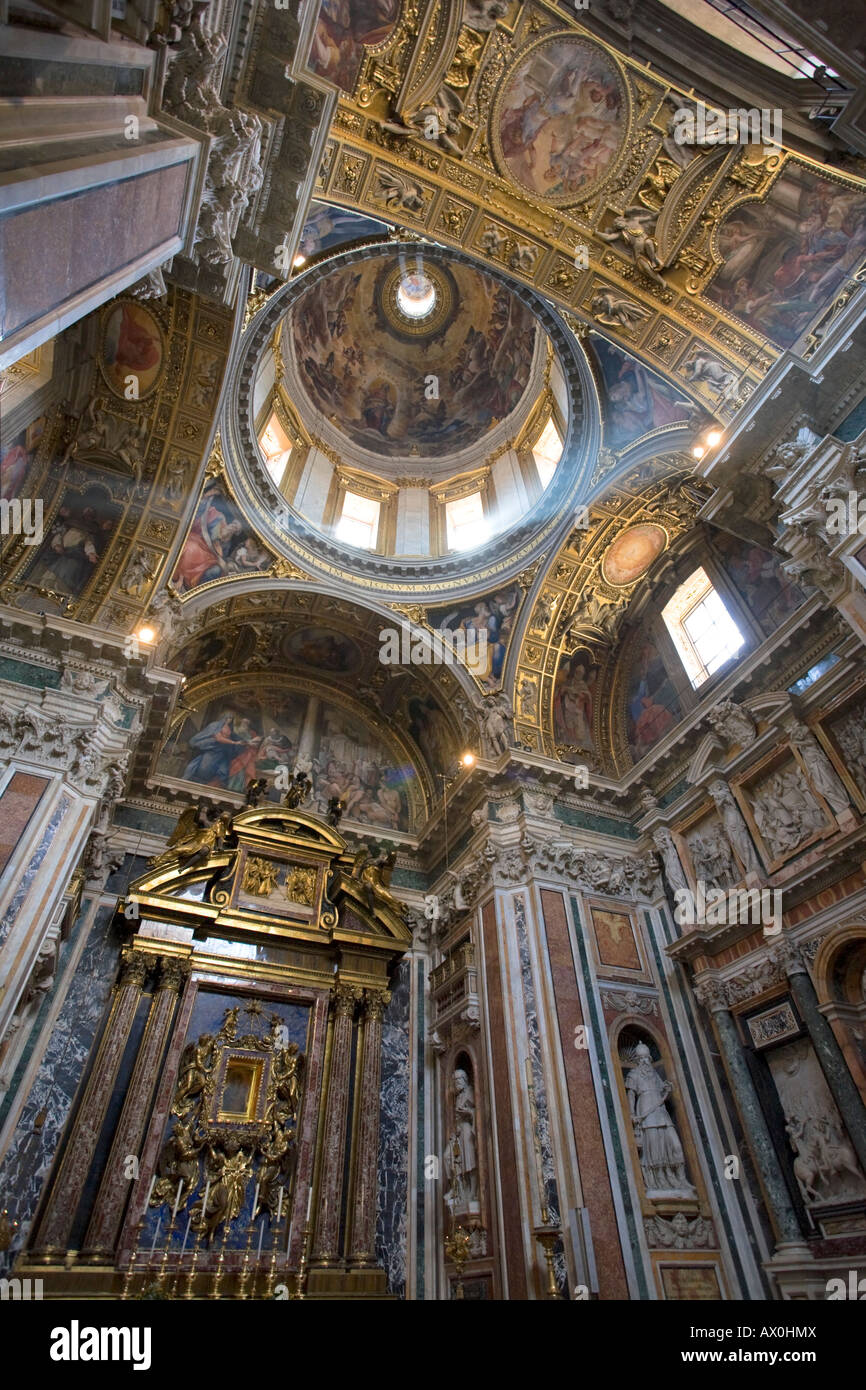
x,y
398,405
409,358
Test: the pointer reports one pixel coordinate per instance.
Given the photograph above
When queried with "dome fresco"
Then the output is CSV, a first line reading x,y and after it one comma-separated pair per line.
x,y
366,364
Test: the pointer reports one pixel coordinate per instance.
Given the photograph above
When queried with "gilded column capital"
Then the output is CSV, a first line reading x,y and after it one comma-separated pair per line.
x,y
375,1003
344,999
173,973
134,967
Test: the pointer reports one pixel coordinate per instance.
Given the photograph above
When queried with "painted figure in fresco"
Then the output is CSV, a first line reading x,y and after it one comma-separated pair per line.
x,y
573,702
430,730
206,552
328,226
760,581
637,400
13,470
652,704
371,799
652,724
785,261
490,619
567,127
342,29
216,746
67,559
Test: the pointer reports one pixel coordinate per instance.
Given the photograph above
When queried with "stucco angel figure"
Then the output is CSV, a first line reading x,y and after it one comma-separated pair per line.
x,y
633,228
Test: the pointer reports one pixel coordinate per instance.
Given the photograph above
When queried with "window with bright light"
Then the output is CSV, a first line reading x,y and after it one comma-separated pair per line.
x,y
547,451
465,524
359,521
702,629
276,448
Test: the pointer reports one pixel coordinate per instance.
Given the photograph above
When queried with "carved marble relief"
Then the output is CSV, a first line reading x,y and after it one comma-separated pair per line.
x,y
825,1165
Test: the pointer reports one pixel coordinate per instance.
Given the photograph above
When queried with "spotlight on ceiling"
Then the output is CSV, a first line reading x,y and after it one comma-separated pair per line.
x,y
146,635
713,438
699,451
468,760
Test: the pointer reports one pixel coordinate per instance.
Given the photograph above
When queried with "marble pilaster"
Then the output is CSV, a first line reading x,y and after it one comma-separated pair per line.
x,y
363,1239
325,1248
68,1184
108,1208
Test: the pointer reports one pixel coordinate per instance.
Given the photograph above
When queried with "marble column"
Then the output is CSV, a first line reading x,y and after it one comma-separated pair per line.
x,y
842,1085
363,1228
68,1184
711,994
325,1251
101,1236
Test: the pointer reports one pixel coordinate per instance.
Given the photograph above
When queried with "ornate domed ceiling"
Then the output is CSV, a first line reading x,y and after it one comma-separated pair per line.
x,y
409,357
396,406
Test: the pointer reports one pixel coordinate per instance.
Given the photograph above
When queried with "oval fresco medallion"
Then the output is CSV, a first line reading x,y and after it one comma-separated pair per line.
x,y
561,120
632,553
132,346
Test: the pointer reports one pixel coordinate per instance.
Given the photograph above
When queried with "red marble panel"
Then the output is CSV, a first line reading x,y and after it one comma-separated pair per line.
x,y
588,1138
19,800
52,251
505,1119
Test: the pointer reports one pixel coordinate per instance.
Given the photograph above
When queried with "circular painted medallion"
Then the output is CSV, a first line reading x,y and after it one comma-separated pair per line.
x,y
562,118
632,553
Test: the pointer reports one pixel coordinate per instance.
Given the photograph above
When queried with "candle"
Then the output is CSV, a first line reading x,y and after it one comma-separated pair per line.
x,y
255,1202
309,1202
156,1234
186,1233
280,1207
176,1202
150,1191
261,1233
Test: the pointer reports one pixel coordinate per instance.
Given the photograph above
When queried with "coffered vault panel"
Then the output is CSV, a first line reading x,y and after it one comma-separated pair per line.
x,y
622,224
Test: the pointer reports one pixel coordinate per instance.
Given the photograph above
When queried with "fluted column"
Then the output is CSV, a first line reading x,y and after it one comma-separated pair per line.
x,y
711,994
827,1050
108,1208
363,1236
325,1249
68,1184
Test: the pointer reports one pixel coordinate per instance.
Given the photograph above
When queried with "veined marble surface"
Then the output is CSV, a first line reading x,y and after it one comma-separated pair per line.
x,y
392,1213
31,1153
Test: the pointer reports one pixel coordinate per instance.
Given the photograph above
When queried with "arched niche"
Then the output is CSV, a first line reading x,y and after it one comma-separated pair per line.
x,y
840,984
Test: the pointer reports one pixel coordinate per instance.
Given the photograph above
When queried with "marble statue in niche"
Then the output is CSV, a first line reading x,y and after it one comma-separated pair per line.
x,y
786,813
850,735
735,826
820,769
662,1160
674,872
825,1165
713,859
461,1151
